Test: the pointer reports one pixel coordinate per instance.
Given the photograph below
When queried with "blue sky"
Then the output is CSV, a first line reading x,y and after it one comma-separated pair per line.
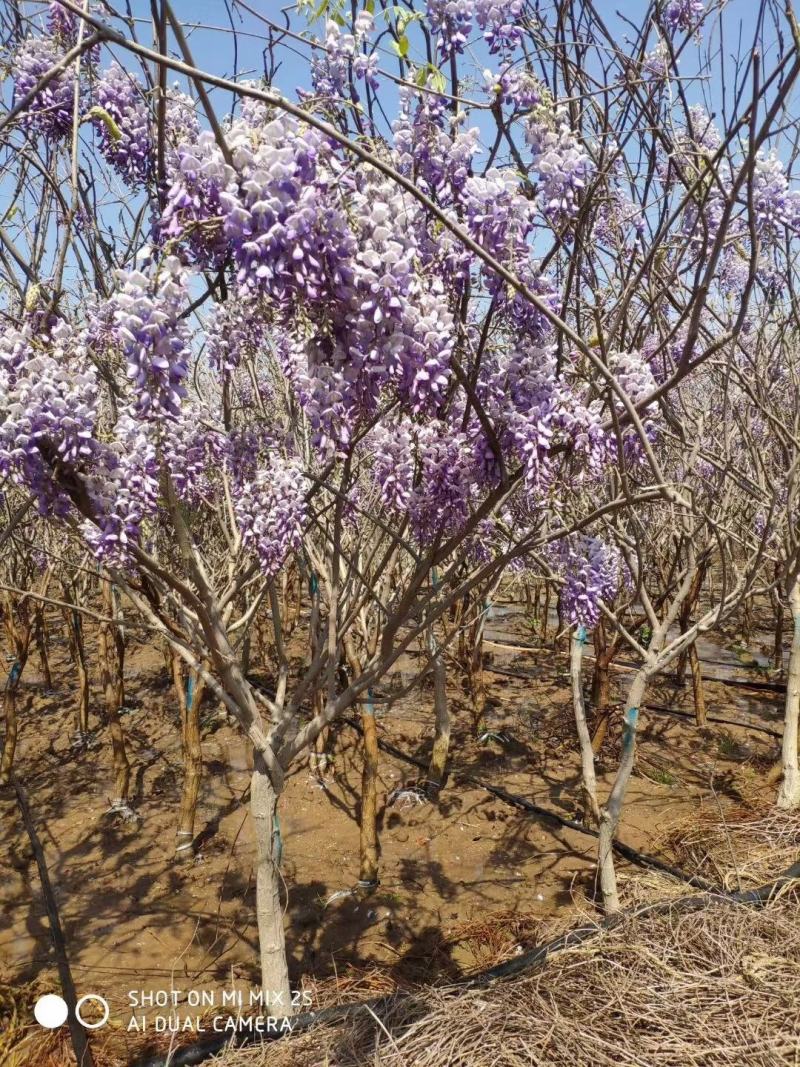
x,y
214,47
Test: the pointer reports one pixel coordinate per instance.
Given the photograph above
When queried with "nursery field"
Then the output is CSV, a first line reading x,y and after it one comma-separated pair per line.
x,y
399,533
467,879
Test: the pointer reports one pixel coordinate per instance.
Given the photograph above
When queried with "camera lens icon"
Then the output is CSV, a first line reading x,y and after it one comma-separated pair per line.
x,y
103,1003
50,1011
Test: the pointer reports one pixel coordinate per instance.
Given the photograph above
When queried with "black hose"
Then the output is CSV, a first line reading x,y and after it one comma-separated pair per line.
x,y
624,665
743,724
190,1055
527,806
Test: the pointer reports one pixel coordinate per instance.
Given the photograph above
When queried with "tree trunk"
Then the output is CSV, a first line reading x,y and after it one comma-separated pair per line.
x,y
189,702
560,628
319,757
612,809
368,845
75,631
40,637
685,619
747,622
789,793
777,648
269,912
112,662
441,738
589,781
19,629
10,711
697,687
601,684
477,680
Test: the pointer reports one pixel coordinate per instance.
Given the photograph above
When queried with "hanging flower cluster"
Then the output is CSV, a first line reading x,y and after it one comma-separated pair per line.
x,y
51,111
122,120
683,16
147,313
500,21
271,512
50,402
564,169
592,572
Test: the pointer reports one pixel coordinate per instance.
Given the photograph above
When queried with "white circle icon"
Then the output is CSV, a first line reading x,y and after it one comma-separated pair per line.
x,y
101,1001
50,1011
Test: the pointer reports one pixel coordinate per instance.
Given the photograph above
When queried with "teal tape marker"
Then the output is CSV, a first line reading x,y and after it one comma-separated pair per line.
x,y
629,727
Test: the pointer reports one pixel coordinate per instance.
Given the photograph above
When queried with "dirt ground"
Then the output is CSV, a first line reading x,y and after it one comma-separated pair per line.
x,y
134,920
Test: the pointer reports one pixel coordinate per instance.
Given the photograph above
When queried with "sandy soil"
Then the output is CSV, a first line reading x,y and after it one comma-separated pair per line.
x,y
133,919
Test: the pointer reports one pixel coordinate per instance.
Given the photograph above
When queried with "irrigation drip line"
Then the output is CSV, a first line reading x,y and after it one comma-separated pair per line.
x,y
627,665
529,808
775,731
78,1037
746,724
578,935
190,1055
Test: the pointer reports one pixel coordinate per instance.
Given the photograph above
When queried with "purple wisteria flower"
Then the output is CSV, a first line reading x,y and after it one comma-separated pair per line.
x,y
271,512
500,21
124,490
452,21
683,15
515,86
564,169
592,572
154,337
776,205
237,329
126,140
50,113
50,410
62,24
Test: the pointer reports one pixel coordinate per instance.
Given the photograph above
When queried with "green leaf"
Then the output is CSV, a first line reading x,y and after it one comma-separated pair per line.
x,y
401,46
114,132
432,77
406,17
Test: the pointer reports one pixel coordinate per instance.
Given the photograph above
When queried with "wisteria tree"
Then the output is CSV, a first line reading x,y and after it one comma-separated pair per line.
x,y
449,294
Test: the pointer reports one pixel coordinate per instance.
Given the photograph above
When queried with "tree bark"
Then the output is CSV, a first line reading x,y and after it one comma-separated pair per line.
x,y
19,630
40,637
604,651
612,809
545,611
789,793
189,703
441,738
75,631
319,756
477,679
685,619
269,912
112,662
777,647
10,712
697,687
589,781
368,845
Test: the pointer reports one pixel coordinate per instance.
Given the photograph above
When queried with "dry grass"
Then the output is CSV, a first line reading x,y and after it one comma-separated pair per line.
x,y
738,851
490,939
23,1043
712,987
706,988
